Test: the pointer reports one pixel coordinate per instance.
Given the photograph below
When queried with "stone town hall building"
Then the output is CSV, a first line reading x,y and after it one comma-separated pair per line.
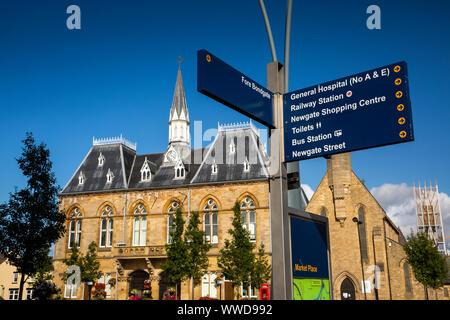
x,y
124,201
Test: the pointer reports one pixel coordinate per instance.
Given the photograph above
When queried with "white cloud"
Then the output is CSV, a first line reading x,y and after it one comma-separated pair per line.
x,y
308,191
398,202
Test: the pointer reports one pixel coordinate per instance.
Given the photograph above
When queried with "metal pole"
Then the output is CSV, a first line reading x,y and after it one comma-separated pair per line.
x,y
281,288
287,42
268,29
296,198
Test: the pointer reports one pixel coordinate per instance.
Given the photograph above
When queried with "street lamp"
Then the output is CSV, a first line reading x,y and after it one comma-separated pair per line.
x,y
355,220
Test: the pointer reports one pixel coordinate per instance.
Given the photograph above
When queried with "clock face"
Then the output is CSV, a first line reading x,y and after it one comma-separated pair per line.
x,y
172,155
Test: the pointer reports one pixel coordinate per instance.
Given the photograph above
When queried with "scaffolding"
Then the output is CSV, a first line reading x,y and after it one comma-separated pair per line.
x,y
428,211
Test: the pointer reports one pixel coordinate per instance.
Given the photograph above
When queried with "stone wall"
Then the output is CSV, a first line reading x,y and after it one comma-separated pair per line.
x,y
156,202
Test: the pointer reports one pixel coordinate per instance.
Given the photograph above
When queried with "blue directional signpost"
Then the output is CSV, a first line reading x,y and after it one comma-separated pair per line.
x,y
223,83
361,111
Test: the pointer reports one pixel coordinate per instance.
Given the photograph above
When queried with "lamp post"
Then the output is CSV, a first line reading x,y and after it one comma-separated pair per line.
x,y
355,219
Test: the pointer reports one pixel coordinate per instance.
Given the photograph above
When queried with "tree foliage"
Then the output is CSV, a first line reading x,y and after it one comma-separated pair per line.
x,y
177,263
88,264
262,270
197,249
44,268
428,265
30,222
237,259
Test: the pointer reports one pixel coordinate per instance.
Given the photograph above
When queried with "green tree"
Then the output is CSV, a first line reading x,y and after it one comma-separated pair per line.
x,y
88,264
237,259
44,269
43,287
177,262
30,222
75,259
262,270
428,265
197,249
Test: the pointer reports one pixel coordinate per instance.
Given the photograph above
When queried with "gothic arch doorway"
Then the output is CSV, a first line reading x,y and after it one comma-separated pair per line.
x,y
137,279
347,290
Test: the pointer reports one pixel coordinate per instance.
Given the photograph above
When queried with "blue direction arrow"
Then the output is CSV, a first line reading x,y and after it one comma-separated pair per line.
x,y
223,83
365,110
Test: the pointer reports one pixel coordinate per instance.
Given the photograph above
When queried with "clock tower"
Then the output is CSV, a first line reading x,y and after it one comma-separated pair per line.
x,y
179,136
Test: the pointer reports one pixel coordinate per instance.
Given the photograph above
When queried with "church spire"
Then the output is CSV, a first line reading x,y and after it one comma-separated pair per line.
x,y
179,109
179,115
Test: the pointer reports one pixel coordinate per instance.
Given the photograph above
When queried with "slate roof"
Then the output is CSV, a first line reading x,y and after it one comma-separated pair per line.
x,y
230,166
126,165
121,159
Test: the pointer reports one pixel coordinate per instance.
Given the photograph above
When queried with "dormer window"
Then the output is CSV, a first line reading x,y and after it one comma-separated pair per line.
x,y
180,171
109,176
101,160
81,178
214,168
146,174
232,147
246,165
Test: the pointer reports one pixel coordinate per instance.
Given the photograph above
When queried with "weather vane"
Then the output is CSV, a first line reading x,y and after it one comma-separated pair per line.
x,y
180,61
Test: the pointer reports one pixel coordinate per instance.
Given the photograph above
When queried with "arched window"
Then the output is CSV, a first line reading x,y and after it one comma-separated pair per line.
x,y
139,226
210,223
362,233
407,275
248,217
106,227
170,220
75,228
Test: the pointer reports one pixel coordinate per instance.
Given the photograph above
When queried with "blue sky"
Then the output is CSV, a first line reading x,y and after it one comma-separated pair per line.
x,y
117,74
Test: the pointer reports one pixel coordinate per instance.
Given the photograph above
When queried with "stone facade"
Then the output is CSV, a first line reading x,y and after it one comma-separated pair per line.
x,y
121,261
123,200
344,199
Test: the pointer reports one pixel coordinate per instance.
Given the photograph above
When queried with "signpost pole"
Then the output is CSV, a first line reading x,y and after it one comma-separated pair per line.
x,y
295,195
281,268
